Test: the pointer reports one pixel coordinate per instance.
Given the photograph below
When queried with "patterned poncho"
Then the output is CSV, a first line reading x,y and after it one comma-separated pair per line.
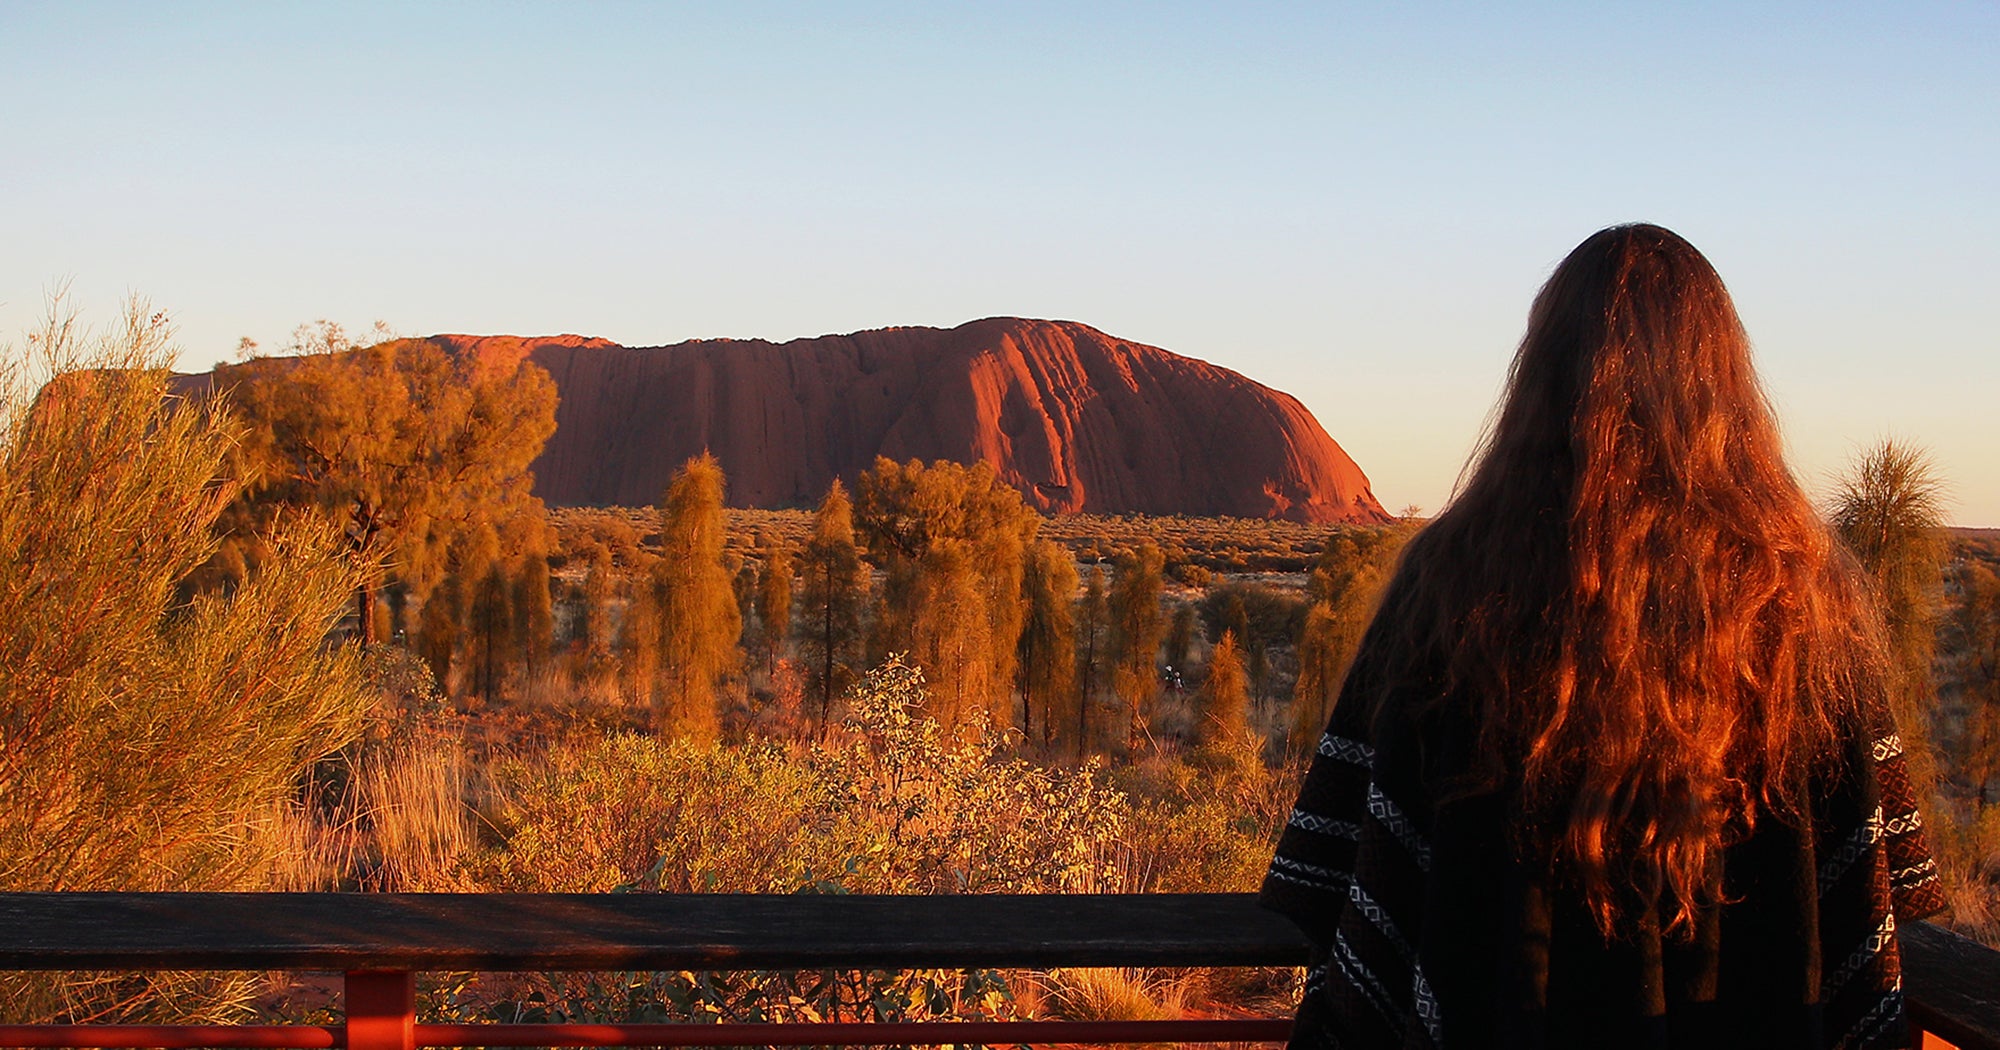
x,y
1429,931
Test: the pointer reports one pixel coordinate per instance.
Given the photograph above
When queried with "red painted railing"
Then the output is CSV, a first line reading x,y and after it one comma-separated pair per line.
x,y
380,941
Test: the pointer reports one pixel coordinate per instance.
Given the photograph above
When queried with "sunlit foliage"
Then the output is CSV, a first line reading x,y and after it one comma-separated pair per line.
x,y
1093,650
774,599
1225,696
1138,626
951,541
1047,645
401,443
143,737
148,740
1341,593
699,622
1888,508
832,583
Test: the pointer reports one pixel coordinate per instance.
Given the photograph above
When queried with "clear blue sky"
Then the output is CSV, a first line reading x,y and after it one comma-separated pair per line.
x,y
1351,204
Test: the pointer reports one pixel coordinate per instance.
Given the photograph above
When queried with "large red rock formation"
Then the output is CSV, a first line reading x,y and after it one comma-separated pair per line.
x,y
1075,419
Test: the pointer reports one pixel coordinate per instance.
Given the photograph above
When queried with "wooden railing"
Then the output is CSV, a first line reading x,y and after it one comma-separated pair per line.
x,y
1953,988
380,941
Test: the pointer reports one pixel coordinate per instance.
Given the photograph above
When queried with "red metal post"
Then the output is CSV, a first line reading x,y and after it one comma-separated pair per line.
x,y
381,1010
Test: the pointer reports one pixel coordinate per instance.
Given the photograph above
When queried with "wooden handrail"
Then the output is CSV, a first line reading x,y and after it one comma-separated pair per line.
x,y
1953,983
1953,986
634,931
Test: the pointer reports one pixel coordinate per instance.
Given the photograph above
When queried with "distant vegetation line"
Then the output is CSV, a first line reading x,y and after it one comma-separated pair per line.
x,y
1220,545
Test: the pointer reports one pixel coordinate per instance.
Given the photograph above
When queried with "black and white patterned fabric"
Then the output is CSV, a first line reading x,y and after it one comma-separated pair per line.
x,y
1430,932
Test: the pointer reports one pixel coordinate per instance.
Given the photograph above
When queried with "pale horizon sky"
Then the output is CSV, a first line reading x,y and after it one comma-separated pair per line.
x,y
1351,205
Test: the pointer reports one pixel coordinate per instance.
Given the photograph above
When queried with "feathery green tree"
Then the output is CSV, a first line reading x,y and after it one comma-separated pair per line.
x,y
1889,511
1047,648
1093,648
145,734
534,611
150,734
639,641
599,585
743,585
907,512
699,622
488,624
440,624
831,588
1138,625
1180,636
1224,701
774,601
951,633
1342,591
403,443
490,629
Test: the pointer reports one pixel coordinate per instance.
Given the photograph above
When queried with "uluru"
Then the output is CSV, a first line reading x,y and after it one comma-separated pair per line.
x,y
1075,419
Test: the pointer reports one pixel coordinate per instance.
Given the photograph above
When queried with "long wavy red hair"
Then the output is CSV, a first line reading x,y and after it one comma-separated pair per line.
x,y
1657,636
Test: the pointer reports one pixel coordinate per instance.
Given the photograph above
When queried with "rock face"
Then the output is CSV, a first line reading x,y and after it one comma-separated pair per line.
x,y
1075,419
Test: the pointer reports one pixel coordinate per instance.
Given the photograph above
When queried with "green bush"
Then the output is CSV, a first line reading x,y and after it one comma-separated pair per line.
x,y
148,740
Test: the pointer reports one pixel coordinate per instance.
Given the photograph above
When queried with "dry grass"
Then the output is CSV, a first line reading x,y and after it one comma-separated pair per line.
x,y
1968,854
1141,994
397,816
1114,994
414,801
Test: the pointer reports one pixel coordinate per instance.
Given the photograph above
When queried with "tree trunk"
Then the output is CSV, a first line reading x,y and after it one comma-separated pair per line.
x,y
364,612
826,669
1083,696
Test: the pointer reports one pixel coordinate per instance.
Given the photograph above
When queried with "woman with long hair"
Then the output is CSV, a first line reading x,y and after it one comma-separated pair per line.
x,y
1613,765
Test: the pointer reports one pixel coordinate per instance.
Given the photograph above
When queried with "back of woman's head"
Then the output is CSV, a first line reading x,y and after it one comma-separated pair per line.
x,y
1653,630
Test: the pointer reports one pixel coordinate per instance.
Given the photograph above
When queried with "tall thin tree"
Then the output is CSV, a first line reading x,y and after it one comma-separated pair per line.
x,y
1225,697
952,634
599,584
774,601
534,611
909,513
699,622
639,639
1889,511
1137,628
1048,651
1093,627
832,583
439,624
489,616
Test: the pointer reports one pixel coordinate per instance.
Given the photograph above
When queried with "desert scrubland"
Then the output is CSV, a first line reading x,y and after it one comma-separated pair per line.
x,y
312,631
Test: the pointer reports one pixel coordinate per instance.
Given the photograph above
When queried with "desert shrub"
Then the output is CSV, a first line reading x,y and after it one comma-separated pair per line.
x,y
732,997
957,815
580,530
149,740
674,816
1198,846
1201,822
891,803
145,736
